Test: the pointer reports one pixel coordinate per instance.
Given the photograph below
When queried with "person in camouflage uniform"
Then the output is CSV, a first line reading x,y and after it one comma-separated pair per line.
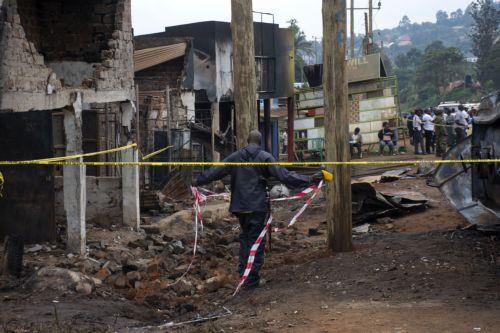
x,y
440,132
450,123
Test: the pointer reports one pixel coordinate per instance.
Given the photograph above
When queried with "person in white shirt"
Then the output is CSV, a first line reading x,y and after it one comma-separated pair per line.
x,y
284,139
461,123
428,121
418,139
356,141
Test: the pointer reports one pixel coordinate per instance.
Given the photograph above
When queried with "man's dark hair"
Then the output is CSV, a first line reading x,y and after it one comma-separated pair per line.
x,y
385,124
255,137
357,130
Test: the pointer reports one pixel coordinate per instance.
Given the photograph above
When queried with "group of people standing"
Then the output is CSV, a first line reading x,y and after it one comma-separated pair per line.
x,y
435,130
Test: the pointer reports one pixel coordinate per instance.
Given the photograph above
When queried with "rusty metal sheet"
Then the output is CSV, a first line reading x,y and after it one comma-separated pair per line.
x,y
455,181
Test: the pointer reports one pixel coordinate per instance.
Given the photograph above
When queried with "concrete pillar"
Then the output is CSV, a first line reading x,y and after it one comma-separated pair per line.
x,y
215,130
75,196
130,174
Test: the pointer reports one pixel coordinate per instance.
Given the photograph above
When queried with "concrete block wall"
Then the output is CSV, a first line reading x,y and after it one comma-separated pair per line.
x,y
104,201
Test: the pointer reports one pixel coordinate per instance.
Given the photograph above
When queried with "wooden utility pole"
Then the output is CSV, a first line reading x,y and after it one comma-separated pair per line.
x,y
351,55
370,22
245,90
339,206
366,40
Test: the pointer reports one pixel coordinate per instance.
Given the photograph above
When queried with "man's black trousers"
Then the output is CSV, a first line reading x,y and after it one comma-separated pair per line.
x,y
251,225
429,141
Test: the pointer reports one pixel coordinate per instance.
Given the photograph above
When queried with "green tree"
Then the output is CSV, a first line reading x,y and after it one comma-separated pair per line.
x,y
492,66
441,16
440,66
457,15
405,22
414,56
402,61
303,47
485,30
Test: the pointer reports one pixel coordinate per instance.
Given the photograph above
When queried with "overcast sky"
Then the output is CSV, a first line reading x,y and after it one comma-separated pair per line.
x,y
153,15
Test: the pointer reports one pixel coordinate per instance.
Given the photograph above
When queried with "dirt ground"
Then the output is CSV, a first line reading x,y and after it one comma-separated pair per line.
x,y
415,273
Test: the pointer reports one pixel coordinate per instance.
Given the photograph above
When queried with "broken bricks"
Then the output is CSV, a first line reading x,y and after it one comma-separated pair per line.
x,y
62,280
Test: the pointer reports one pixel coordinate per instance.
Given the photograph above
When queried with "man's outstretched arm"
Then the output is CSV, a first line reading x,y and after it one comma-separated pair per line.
x,y
214,173
289,178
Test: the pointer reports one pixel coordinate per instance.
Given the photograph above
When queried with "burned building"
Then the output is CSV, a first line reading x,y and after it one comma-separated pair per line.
x,y
66,88
185,81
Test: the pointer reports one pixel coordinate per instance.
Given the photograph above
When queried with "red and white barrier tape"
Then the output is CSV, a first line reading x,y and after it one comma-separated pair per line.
x,y
201,198
300,195
198,220
309,201
253,252
211,195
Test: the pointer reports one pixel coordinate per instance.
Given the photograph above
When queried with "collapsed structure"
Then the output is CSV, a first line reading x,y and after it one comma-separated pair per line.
x,y
66,88
185,81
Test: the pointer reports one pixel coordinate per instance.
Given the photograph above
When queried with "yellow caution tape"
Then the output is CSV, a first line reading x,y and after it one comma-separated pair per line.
x,y
156,153
284,164
328,176
53,160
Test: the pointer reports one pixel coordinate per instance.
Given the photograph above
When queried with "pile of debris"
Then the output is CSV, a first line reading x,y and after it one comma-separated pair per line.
x,y
156,268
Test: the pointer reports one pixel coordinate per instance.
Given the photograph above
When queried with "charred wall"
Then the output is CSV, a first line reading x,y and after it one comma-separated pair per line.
x,y
57,46
67,29
160,76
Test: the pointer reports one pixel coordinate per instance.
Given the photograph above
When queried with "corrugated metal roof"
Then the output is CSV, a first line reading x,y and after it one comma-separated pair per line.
x,y
157,55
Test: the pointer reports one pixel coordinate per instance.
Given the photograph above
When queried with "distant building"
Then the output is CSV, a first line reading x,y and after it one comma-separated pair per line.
x,y
404,40
373,99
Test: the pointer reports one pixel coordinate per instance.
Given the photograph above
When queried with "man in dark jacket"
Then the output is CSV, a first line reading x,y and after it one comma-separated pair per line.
x,y
249,196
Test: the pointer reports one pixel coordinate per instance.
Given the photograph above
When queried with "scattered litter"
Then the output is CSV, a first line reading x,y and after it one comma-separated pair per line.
x,y
362,229
369,204
393,175
34,248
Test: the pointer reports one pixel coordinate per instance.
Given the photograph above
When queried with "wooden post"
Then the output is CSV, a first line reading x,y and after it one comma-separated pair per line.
x,y
353,37
370,22
366,40
291,118
339,209
245,87
267,125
